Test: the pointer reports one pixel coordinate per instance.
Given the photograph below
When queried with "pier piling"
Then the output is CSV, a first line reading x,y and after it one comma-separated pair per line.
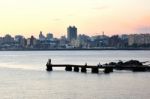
x,y
76,69
95,70
108,70
68,68
83,69
49,66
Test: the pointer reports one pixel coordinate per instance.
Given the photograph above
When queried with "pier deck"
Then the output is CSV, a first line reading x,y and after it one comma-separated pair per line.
x,y
95,68
100,67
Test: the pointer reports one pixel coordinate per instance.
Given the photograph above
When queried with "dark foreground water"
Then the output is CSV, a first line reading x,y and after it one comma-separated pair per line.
x,y
23,76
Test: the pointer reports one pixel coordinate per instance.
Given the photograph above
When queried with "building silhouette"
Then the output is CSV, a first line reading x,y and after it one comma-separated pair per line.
x,y
49,36
41,36
71,33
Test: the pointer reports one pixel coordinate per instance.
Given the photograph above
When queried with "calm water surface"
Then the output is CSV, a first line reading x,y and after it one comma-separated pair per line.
x,y
23,76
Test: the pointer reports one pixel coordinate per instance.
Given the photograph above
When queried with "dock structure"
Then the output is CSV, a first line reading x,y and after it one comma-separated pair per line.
x,y
107,68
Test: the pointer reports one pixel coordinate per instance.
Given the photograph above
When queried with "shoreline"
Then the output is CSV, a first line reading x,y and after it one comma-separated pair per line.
x,y
77,49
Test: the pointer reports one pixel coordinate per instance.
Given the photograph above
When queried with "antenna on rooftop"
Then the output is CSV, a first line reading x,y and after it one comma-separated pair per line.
x,y
103,33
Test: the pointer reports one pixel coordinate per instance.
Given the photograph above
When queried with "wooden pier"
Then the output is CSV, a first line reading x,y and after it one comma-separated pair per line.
x,y
107,68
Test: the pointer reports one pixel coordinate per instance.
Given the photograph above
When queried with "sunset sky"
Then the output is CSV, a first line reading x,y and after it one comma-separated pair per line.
x,y
91,17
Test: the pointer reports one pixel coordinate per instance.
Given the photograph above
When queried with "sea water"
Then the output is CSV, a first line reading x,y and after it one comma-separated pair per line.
x,y
23,76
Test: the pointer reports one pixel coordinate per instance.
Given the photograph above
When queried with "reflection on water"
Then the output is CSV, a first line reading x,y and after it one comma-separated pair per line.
x,y
30,84
37,59
23,76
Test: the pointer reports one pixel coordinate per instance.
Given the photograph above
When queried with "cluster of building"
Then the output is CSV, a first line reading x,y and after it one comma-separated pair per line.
x,y
73,40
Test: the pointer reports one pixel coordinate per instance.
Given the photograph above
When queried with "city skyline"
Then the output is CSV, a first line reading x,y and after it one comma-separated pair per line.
x,y
72,41
66,34
28,17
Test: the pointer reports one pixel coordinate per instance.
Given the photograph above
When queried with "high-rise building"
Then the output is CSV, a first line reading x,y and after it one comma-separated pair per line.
x,y
1,40
20,40
31,41
63,41
71,33
41,36
49,36
138,39
8,39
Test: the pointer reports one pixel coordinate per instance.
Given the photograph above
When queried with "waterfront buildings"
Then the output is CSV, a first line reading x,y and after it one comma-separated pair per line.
x,y
20,41
73,40
71,33
41,36
8,39
139,39
49,36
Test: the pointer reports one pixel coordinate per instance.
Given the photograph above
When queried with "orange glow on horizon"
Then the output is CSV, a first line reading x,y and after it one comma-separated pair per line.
x,y
91,17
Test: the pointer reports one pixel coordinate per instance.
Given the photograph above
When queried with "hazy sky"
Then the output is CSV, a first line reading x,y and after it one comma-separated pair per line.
x,y
28,17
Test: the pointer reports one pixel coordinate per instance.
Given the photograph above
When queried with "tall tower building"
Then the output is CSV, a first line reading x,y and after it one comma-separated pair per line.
x,y
41,36
71,33
49,36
